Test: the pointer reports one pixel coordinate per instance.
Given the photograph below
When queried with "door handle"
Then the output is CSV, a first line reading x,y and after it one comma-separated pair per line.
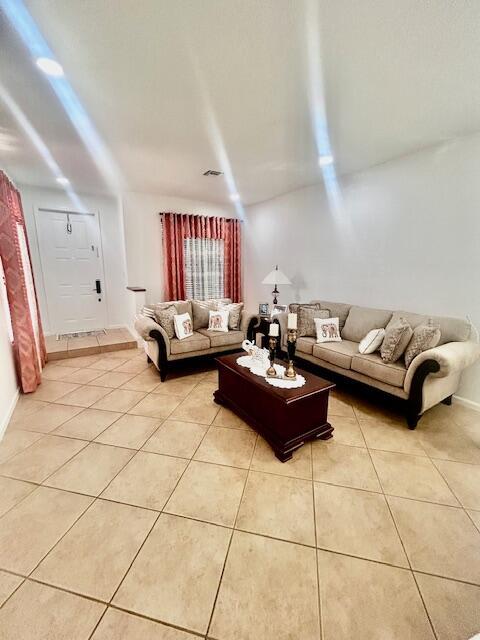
x,y
98,286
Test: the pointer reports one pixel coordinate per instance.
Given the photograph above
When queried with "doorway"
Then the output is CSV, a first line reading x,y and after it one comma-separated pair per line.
x,y
72,265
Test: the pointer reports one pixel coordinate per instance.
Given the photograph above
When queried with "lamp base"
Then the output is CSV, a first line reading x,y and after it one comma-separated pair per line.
x,y
275,293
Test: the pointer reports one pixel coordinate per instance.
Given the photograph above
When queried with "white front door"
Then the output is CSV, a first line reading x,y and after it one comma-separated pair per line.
x,y
72,265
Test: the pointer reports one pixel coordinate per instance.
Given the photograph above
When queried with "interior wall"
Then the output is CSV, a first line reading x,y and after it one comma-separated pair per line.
x,y
8,377
143,234
113,245
406,237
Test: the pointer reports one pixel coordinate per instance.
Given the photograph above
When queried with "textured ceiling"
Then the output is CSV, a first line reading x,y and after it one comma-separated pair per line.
x,y
178,87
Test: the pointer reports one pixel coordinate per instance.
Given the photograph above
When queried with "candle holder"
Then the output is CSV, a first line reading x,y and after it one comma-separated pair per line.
x,y
272,347
291,347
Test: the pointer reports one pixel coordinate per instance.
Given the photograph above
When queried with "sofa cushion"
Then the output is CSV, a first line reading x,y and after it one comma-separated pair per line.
x,y
453,329
413,319
337,310
195,342
220,339
338,353
305,344
361,320
201,310
373,366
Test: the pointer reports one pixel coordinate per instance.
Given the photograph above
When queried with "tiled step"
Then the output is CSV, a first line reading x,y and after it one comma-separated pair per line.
x,y
112,340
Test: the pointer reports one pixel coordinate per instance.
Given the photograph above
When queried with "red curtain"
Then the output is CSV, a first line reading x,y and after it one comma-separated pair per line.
x,y
28,341
177,227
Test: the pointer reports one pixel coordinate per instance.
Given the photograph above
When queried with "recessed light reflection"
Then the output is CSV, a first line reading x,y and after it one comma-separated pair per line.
x,y
235,197
50,66
63,181
324,161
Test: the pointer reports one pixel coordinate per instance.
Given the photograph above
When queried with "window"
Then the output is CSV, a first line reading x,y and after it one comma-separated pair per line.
x,y
204,265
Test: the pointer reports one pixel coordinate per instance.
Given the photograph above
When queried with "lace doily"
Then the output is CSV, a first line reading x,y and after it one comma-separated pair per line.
x,y
281,382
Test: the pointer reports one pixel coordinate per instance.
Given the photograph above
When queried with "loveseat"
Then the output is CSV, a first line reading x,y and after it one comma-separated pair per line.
x,y
167,353
432,377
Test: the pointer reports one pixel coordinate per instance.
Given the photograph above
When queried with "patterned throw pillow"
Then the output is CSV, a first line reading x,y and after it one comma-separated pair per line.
x,y
165,319
327,330
218,320
396,340
183,325
372,341
305,320
294,306
425,336
235,311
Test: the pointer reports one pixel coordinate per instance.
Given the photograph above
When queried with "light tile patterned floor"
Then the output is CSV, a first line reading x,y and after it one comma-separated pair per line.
x,y
135,509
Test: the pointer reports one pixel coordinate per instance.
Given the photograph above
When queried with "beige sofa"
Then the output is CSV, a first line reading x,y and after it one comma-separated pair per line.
x,y
167,353
432,377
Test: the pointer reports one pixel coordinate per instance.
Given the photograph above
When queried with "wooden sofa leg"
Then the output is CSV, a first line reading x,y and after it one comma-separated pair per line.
x,y
163,375
447,401
412,421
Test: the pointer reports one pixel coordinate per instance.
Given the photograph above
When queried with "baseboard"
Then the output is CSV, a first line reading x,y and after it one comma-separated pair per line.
x,y
11,409
464,402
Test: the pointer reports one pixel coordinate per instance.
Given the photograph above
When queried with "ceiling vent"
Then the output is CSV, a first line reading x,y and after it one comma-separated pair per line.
x,y
212,172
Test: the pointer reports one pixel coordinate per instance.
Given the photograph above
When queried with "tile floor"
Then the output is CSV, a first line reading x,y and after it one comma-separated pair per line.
x,y
135,509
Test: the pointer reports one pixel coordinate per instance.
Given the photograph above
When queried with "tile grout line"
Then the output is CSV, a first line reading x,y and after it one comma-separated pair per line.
x,y
148,534
403,547
231,539
317,568
312,481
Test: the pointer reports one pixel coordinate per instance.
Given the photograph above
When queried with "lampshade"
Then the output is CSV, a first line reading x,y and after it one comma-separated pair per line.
x,y
276,277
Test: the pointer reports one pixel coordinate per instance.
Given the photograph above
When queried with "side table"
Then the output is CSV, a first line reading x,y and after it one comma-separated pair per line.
x,y
261,324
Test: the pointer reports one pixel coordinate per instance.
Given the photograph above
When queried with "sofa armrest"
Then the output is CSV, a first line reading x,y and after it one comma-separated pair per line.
x,y
245,321
451,357
148,329
144,325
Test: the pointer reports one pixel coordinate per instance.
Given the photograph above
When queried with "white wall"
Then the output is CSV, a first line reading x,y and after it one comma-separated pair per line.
x,y
143,233
8,377
113,244
407,237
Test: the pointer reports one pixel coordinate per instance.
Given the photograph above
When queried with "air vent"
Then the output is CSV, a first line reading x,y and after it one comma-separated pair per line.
x,y
212,172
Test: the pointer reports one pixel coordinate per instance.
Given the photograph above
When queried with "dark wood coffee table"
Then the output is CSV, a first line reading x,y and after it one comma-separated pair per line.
x,y
286,418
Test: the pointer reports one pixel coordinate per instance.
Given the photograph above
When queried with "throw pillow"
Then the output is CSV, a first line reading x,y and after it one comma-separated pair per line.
x,y
425,336
165,318
396,340
372,341
294,306
218,320
148,312
201,309
235,311
183,325
305,320
327,330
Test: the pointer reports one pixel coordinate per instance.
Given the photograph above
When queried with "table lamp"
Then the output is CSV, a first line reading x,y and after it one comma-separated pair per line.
x,y
276,277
